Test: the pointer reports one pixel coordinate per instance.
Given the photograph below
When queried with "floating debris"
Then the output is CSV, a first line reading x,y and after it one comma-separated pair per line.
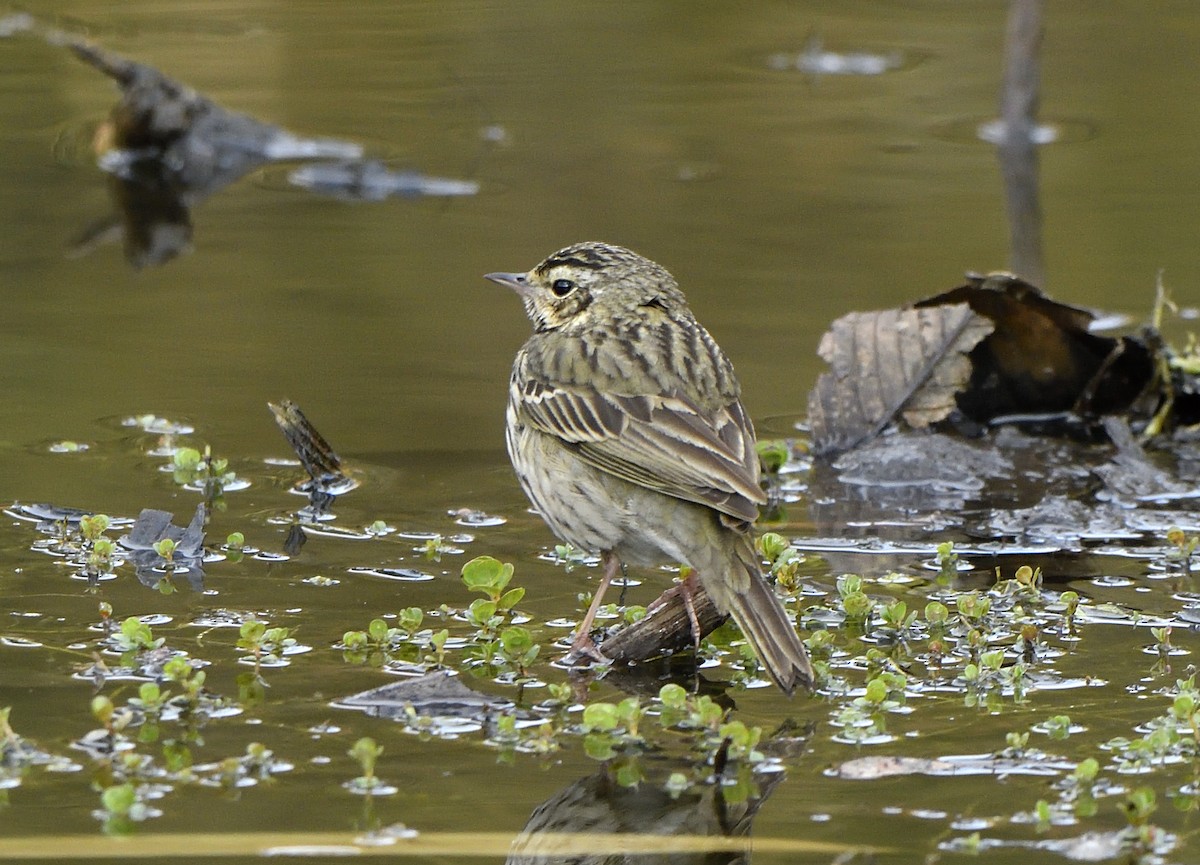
x,y
182,556
324,467
371,180
815,60
438,702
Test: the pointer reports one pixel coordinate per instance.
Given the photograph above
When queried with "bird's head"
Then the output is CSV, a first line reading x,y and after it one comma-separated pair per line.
x,y
589,282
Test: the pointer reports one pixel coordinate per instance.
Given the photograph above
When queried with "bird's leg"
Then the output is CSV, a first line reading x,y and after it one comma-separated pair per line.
x,y
687,592
583,644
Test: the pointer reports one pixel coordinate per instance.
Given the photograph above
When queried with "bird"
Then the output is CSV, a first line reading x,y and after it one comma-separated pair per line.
x,y
626,430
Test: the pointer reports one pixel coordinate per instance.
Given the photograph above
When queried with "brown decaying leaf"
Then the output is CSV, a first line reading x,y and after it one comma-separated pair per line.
x,y
909,361
1042,358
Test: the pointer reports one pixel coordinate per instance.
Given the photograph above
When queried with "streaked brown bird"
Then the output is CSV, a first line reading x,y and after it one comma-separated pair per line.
x,y
626,429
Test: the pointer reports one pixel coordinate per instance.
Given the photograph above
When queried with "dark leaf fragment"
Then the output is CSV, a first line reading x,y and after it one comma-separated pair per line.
x,y
187,559
1042,359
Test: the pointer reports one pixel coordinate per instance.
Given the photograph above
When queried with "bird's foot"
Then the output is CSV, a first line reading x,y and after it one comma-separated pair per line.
x,y
585,651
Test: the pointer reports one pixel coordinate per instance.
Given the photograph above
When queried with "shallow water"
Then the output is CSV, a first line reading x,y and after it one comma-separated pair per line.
x,y
780,200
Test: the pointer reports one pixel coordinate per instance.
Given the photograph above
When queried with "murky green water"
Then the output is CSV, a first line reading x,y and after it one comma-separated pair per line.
x,y
779,199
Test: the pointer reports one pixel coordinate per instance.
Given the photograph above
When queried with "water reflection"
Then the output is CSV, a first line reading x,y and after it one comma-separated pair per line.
x,y
166,148
599,804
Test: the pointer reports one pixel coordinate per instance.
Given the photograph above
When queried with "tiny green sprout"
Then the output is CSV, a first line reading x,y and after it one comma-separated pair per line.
x,y
236,541
165,548
489,576
936,613
742,739
567,556
379,528
1016,742
772,455
366,752
250,634
1184,707
1058,726
185,462
857,606
600,717
947,561
518,648
896,616
482,614
433,548
973,606
783,560
438,641
100,557
1162,636
409,619
676,784
1042,811
634,613
876,691
93,526
135,635
1182,547
848,584
772,545
1028,578
993,660
119,800
1139,804
102,710
151,698
673,696
1071,601
1086,771
377,630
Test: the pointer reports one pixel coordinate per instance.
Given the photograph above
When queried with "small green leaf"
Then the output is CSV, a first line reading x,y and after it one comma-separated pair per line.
x,y
600,716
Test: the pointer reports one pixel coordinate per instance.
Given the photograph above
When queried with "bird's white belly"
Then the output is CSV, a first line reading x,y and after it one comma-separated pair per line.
x,y
587,508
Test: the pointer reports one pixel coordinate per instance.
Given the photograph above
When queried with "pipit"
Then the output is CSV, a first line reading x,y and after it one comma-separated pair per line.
x,y
627,432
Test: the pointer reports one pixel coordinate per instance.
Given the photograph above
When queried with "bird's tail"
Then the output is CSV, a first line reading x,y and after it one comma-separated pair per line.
x,y
752,602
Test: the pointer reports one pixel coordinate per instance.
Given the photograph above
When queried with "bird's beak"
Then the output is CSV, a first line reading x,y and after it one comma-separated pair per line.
x,y
518,282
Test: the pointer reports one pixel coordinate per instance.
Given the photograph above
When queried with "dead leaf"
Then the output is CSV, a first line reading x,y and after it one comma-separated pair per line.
x,y
994,347
871,768
1042,358
907,361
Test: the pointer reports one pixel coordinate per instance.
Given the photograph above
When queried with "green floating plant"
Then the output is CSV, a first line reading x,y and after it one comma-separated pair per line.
x,y
783,560
491,578
264,644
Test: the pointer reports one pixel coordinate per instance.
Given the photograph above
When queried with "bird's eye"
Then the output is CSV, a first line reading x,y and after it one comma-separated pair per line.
x,y
562,287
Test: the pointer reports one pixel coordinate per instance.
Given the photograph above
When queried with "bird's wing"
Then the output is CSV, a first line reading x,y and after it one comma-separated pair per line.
x,y
659,441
